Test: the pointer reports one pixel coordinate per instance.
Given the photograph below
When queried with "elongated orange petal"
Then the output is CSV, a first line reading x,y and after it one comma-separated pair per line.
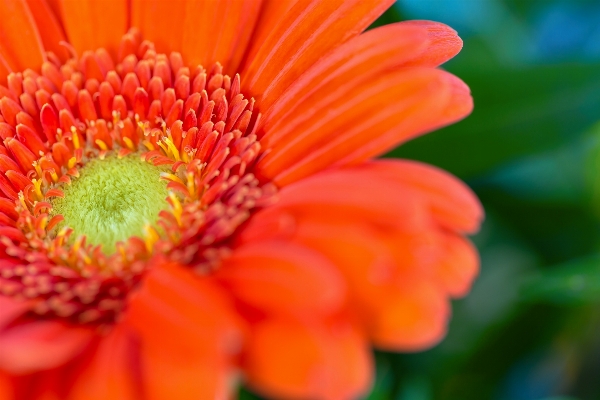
x,y
336,196
92,24
413,316
398,286
374,260
176,370
5,387
453,204
11,310
270,13
188,334
445,43
55,7
218,31
359,60
341,120
40,345
458,106
109,375
298,38
160,21
49,27
280,277
20,43
4,70
365,260
288,358
459,265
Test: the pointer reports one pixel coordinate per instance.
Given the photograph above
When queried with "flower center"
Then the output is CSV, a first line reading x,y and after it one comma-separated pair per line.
x,y
110,169
112,200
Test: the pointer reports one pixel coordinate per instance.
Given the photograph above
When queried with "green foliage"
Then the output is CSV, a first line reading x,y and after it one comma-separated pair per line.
x,y
576,283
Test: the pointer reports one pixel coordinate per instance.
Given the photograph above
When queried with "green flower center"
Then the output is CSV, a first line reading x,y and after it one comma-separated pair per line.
x,y
112,200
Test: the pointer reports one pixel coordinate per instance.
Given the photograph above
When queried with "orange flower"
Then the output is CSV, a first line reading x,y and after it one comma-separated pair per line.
x,y
168,229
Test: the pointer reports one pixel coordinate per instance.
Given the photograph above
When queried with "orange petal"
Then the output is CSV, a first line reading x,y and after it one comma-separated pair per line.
x,y
109,375
458,106
412,317
358,60
458,266
174,370
198,301
377,114
371,259
218,31
298,38
160,21
270,13
6,389
291,359
55,7
444,44
394,290
452,202
367,255
11,309
49,27
374,261
188,335
280,277
92,24
39,345
4,70
336,196
358,250
20,42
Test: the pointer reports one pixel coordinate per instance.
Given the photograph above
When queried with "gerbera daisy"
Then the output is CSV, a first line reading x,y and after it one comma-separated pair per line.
x,y
189,197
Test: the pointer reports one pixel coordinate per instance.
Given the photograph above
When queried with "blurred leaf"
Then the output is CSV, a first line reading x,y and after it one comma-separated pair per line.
x,y
245,394
391,15
551,177
592,168
560,398
576,282
382,388
557,231
415,388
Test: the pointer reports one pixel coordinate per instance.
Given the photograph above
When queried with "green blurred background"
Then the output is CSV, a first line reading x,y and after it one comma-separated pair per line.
x,y
530,329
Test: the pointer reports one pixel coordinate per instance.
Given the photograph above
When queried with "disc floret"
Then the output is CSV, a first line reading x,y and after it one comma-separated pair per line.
x,y
112,200
190,135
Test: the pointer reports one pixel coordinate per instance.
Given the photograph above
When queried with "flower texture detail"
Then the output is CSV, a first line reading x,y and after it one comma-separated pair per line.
x,y
189,197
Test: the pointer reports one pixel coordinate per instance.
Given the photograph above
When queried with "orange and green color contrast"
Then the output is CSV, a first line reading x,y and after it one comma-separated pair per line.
x,y
189,199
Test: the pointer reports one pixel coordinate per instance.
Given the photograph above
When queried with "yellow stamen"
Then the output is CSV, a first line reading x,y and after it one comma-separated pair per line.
x,y
171,177
72,162
75,138
177,209
101,144
129,143
151,237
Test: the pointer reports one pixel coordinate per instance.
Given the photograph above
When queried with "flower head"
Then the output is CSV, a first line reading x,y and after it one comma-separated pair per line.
x,y
188,197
